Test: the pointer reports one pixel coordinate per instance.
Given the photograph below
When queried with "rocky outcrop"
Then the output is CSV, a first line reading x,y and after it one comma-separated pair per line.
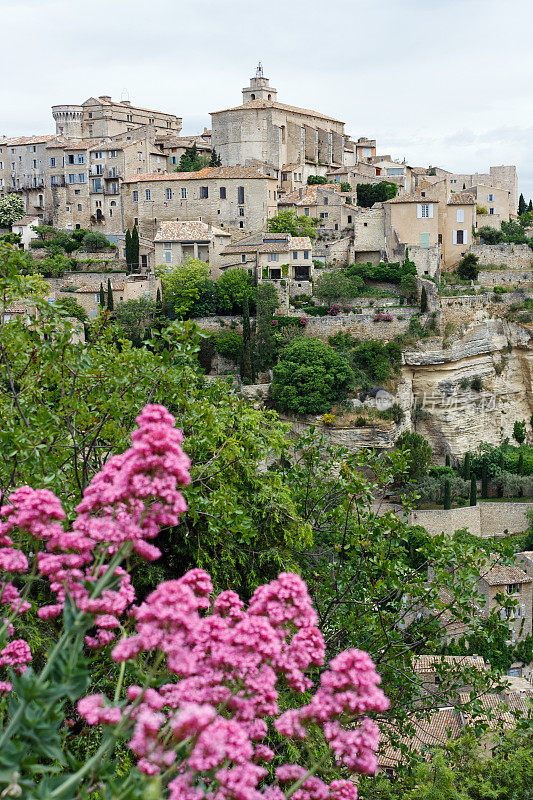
x,y
473,390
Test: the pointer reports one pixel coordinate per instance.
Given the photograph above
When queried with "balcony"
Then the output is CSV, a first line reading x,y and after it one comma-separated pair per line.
x,y
112,173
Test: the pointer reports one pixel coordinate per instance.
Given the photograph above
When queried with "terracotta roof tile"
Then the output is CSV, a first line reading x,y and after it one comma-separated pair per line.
x,y
285,244
19,140
204,174
309,194
187,230
258,104
499,574
461,199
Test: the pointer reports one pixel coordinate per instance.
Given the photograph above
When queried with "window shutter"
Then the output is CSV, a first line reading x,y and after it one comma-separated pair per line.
x,y
455,237
465,235
430,210
419,210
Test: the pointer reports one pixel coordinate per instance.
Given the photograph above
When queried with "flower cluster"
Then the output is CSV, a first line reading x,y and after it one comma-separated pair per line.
x,y
207,728
125,505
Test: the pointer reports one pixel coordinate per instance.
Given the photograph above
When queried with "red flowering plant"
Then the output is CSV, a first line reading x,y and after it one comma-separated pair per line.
x,y
198,722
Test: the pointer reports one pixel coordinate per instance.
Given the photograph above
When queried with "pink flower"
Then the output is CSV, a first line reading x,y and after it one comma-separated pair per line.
x,y
16,654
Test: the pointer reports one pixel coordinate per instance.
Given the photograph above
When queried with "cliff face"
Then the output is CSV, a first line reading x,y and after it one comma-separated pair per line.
x,y
440,402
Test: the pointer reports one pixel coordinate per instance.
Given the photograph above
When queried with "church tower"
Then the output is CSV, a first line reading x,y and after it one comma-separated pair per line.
x,y
259,88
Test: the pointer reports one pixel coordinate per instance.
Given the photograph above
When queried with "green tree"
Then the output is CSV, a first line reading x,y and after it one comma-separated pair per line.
x,y
314,180
522,207
290,222
72,308
135,249
135,318
337,285
519,431
447,494
489,235
310,377
11,209
423,300
419,453
182,285
468,269
193,161
368,193
215,160
247,368
127,246
110,303
520,467
447,460
233,286
15,281
101,298
409,287
345,186
473,490
466,467
484,480
267,302
158,302
530,205
437,781
93,241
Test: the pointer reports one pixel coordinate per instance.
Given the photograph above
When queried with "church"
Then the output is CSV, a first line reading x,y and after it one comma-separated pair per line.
x,y
265,130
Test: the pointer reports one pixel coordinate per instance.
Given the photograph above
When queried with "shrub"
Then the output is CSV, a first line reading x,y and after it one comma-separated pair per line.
x,y
360,422
368,193
310,377
519,431
476,384
314,180
419,453
345,186
468,269
489,235
337,285
229,345
93,241
393,413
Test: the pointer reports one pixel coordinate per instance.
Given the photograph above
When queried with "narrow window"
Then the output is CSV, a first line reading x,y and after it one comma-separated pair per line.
x,y
222,192
169,194
147,194
240,195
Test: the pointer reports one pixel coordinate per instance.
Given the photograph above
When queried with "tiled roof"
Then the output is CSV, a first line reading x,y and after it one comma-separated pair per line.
x,y
461,199
499,574
309,194
415,197
192,230
204,174
126,105
27,220
258,104
428,663
287,243
442,724
18,307
291,167
418,170
17,140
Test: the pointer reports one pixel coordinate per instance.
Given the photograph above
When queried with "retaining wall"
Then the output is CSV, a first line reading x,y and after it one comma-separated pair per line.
x,y
514,256
485,519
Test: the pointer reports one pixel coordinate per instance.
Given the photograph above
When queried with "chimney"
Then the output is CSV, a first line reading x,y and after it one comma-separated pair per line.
x,y
104,97
125,102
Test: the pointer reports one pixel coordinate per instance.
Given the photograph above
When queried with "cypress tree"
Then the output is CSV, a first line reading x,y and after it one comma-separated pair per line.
x,y
500,459
134,249
530,206
520,469
473,490
484,481
448,463
423,300
464,185
522,208
110,304
247,371
128,250
447,494
466,467
158,302
215,159
102,296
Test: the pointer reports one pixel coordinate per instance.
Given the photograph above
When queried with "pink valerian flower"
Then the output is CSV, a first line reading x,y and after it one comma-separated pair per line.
x,y
93,710
10,596
5,687
16,654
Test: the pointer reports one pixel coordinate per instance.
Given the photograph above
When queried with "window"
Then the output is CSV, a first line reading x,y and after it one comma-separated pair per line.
x,y
147,194
82,177
272,256
459,237
349,218
241,224
76,191
241,211
243,258
90,114
513,588
136,221
71,178
274,274
425,210
112,153
336,227
326,201
140,156
97,185
184,194
222,192
490,198
295,254
129,118
79,207
204,192
424,240
306,212
460,215
35,163
168,256
491,210
135,196
306,253
169,194
240,195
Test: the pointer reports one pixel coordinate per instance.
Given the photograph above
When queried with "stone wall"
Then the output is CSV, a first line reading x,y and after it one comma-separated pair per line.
x,y
485,519
426,259
514,256
497,277
372,436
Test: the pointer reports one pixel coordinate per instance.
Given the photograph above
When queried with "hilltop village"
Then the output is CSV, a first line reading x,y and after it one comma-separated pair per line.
x,y
382,304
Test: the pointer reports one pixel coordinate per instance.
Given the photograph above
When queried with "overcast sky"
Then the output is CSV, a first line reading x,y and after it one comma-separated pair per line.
x,y
444,82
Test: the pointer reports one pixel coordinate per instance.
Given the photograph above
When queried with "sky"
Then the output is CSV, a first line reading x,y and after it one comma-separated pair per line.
x,y
441,82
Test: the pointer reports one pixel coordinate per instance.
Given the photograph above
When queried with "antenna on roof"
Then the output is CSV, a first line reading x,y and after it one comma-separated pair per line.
x,y
259,71
124,95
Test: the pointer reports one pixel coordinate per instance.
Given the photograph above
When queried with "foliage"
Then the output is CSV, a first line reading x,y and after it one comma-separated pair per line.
x,y
134,249
233,286
423,300
489,235
15,283
314,180
93,241
72,308
182,284
193,161
409,287
368,193
345,186
467,268
372,361
310,377
247,367
265,343
136,318
11,209
290,222
519,431
337,285
387,273
419,453
500,458
215,160
229,344
522,207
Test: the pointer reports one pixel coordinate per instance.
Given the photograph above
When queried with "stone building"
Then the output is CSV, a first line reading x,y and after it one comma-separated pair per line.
x,y
513,582
264,129
494,201
500,177
23,161
334,210
175,146
236,198
176,241
132,287
101,116
25,228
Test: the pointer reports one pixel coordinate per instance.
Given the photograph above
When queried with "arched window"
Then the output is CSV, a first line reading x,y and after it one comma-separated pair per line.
x,y
253,97
270,97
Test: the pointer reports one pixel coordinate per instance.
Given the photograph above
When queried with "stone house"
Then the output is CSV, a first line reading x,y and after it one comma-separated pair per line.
x,y
279,257
25,227
23,169
325,202
102,117
133,287
237,198
496,201
500,177
175,146
512,582
264,129
176,241
430,217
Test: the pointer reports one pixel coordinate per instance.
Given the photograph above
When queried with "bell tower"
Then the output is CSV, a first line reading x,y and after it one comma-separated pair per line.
x,y
259,88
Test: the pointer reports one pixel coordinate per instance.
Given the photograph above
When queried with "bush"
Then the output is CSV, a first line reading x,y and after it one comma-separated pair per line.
x,y
314,180
345,186
93,241
393,413
476,384
489,235
368,193
310,377
229,345
419,451
337,285
467,269
72,308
